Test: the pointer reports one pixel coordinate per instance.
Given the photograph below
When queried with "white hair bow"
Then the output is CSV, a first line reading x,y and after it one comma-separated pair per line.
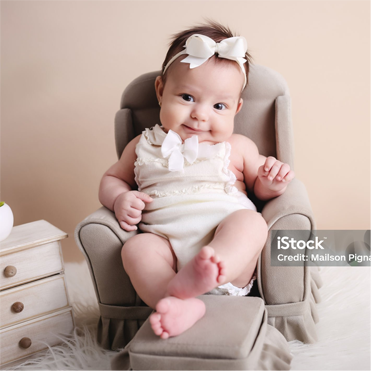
x,y
173,148
200,48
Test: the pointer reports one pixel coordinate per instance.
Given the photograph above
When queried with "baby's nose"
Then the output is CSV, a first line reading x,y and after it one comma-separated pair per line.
x,y
200,113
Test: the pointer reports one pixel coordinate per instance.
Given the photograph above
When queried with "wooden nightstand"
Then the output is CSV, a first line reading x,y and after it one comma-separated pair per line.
x,y
33,293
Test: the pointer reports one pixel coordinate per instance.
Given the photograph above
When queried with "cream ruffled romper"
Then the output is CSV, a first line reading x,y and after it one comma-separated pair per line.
x,y
192,190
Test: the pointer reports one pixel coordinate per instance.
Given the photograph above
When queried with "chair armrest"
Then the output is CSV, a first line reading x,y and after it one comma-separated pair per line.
x,y
106,217
290,211
100,238
295,200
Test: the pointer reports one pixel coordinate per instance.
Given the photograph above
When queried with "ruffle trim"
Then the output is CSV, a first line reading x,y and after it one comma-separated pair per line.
x,y
140,161
146,136
118,324
229,187
113,334
275,354
301,327
190,190
231,290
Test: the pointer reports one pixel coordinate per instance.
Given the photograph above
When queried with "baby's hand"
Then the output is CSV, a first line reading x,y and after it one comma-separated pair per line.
x,y
128,208
274,174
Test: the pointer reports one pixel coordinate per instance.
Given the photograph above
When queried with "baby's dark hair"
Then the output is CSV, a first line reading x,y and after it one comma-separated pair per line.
x,y
212,29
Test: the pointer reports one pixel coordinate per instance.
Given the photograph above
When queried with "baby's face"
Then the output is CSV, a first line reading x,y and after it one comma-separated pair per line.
x,y
201,101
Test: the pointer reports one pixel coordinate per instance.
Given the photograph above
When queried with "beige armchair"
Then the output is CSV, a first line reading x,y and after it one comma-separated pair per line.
x,y
289,293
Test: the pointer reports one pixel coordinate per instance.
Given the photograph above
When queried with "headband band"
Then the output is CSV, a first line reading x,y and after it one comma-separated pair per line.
x,y
200,48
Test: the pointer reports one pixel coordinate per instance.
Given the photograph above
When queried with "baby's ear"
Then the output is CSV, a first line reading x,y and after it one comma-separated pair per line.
x,y
159,86
239,105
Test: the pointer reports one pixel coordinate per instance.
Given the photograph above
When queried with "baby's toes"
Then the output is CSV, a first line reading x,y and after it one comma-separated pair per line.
x,y
158,330
164,335
155,321
154,318
221,266
215,259
156,326
207,252
222,272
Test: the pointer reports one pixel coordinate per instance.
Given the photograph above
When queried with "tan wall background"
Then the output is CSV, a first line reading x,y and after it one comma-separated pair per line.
x,y
64,65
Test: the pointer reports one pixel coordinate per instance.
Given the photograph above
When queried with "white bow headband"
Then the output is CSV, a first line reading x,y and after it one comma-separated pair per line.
x,y
200,48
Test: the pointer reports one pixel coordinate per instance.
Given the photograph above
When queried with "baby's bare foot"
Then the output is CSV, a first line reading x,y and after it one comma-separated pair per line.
x,y
173,316
202,274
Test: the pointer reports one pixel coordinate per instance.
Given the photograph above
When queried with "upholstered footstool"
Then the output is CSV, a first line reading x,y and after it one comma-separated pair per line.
x,y
233,334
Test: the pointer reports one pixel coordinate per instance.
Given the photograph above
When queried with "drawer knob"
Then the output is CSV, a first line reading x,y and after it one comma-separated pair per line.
x,y
25,343
17,307
10,271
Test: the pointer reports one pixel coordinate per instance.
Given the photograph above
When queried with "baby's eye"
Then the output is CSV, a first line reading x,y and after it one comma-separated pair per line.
x,y
188,97
220,106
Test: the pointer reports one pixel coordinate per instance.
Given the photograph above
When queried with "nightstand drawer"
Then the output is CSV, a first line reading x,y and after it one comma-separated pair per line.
x,y
32,300
30,264
34,335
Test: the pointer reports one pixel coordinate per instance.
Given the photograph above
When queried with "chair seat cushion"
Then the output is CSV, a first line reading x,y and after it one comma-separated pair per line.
x,y
233,334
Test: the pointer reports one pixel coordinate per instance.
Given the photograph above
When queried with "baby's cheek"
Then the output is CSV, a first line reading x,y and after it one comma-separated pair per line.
x,y
224,132
170,116
165,119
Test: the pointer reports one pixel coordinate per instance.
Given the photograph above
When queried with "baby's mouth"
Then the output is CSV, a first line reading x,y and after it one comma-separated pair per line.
x,y
193,129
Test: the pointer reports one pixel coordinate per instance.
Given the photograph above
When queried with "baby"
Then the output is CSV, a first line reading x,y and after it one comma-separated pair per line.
x,y
186,183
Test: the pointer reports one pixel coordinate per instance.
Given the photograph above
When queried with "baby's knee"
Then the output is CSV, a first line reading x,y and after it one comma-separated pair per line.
x,y
130,248
255,219
261,227
261,224
255,222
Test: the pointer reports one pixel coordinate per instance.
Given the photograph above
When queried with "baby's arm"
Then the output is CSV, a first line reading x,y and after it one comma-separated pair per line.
x,y
265,176
117,190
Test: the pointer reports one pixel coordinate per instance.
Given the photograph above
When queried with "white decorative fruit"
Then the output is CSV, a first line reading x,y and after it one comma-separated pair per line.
x,y
6,220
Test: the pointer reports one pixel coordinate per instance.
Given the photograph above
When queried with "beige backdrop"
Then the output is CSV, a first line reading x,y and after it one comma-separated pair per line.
x,y
64,65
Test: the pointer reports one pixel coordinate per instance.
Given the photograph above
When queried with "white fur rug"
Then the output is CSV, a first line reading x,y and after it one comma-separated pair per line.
x,y
343,329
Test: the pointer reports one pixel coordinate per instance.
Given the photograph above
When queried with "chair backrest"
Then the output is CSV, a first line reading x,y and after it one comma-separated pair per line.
x,y
265,116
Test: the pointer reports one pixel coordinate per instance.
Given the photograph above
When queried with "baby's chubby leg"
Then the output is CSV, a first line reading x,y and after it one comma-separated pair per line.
x,y
230,257
238,241
150,263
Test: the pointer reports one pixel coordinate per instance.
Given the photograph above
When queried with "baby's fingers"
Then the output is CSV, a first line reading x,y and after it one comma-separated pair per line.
x,y
132,220
143,196
125,226
134,213
274,170
269,162
285,168
289,177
